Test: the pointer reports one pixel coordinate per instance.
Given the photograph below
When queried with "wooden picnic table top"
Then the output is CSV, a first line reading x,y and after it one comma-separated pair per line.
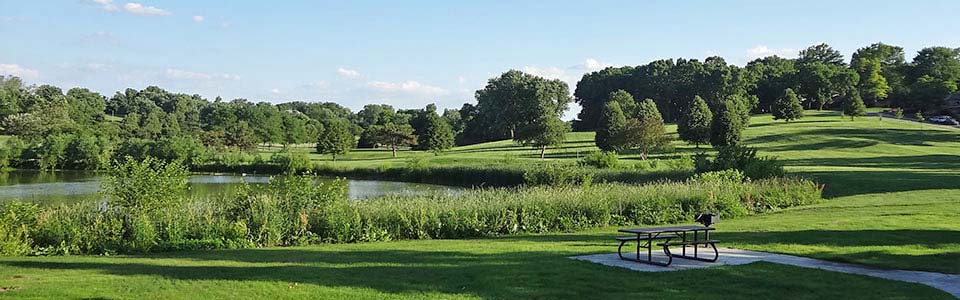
x,y
652,230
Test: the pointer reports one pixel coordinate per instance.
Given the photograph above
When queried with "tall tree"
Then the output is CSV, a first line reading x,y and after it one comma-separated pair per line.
x,y
774,74
726,128
853,104
645,135
542,133
437,136
821,53
873,85
694,126
514,99
393,135
611,121
647,110
788,107
335,139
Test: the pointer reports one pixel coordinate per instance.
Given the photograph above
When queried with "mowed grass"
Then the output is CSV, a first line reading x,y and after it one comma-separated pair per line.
x,y
894,203
523,267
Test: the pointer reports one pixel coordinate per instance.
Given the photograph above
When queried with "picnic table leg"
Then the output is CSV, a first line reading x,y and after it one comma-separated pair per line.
x,y
684,246
695,246
649,247
638,247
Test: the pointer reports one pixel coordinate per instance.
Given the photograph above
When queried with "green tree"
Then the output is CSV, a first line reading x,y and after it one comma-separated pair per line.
x,y
853,104
821,53
645,135
627,104
513,100
544,132
873,85
647,110
727,127
437,136
694,126
788,107
928,92
393,135
611,122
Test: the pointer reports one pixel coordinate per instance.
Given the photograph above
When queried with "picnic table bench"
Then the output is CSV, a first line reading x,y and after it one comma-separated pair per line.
x,y
666,237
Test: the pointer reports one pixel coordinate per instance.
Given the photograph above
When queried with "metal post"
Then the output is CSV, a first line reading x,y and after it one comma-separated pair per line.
x,y
649,247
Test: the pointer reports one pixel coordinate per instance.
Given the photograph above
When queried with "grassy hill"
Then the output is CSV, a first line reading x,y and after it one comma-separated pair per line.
x,y
895,202
850,157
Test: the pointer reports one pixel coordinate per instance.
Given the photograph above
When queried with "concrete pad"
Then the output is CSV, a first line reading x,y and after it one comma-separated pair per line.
x,y
949,283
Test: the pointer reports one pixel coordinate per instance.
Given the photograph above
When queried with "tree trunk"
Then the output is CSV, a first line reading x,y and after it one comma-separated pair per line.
x,y
542,151
643,155
334,157
394,149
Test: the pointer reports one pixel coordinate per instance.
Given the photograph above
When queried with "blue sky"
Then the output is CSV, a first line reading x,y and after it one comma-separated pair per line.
x,y
411,53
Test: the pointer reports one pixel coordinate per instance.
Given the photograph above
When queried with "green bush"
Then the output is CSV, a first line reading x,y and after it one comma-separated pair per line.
x,y
290,162
145,185
556,174
603,160
740,158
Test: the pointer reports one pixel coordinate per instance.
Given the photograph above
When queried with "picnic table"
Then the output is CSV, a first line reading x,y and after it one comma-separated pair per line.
x,y
668,236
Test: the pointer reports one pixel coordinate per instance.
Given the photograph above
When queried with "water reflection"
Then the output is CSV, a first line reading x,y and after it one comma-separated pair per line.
x,y
73,186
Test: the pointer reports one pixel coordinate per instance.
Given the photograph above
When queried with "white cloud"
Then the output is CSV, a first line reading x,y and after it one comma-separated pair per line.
x,y
107,5
188,75
198,19
140,9
762,51
547,72
409,86
17,70
592,64
461,79
348,73
276,91
101,37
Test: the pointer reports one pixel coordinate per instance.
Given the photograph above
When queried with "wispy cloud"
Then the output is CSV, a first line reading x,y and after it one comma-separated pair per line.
x,y
133,8
409,86
198,18
19,71
348,73
177,74
12,19
762,51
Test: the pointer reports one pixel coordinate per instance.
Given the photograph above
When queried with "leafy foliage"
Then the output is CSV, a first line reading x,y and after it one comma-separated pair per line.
x,y
694,127
788,107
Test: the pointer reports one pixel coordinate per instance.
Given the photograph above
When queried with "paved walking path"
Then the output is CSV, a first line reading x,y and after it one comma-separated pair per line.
x,y
949,283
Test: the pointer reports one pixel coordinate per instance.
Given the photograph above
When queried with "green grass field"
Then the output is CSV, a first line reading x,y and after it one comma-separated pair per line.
x,y
894,202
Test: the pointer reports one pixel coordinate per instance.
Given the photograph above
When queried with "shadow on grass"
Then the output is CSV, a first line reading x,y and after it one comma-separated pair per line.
x,y
511,275
857,182
843,240
928,162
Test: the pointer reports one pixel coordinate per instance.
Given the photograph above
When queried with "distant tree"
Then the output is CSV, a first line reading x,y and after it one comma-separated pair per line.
x,y
241,136
28,126
694,125
393,135
726,128
611,122
853,104
626,102
873,85
647,110
336,139
898,114
821,53
773,75
511,101
544,132
294,129
645,135
437,136
788,107
919,117
86,107
928,92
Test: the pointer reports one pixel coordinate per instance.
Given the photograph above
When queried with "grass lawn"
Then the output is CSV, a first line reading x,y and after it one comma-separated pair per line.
x,y
894,202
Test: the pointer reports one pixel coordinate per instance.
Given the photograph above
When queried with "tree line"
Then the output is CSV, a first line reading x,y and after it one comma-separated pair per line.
x,y
820,78
709,100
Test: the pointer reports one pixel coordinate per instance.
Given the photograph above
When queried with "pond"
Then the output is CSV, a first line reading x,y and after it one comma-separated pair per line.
x,y
73,186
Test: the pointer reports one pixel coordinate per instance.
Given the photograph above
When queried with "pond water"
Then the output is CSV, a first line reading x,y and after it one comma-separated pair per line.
x,y
73,186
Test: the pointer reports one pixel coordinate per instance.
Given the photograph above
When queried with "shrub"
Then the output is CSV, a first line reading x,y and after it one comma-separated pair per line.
x,y
740,158
556,174
290,162
603,160
16,219
145,185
